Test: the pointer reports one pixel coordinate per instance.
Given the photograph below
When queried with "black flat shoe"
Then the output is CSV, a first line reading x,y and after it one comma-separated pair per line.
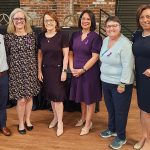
x,y
29,128
22,131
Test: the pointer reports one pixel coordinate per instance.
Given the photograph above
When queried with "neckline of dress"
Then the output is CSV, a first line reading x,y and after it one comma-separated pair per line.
x,y
145,35
50,36
21,35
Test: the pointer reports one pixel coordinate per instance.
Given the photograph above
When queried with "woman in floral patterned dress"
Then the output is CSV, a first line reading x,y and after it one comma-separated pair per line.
x,y
21,51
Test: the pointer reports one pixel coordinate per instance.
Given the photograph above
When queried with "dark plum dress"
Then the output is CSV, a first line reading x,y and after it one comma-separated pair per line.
x,y
87,87
52,64
141,51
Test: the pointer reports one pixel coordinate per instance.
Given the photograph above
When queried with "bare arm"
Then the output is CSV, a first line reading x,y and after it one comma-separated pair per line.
x,y
40,57
65,63
71,60
87,66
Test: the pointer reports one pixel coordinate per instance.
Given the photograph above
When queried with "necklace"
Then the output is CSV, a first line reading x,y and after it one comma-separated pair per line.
x,y
145,35
49,36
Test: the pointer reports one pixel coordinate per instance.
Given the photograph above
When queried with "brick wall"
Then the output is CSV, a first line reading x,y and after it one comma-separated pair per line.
x,y
36,8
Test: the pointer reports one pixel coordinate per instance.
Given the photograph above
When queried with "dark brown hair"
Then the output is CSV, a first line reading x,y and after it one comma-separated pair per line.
x,y
113,18
92,17
139,12
54,16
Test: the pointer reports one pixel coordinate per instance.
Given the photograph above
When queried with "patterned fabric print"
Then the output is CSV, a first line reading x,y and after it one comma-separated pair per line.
x,y
22,59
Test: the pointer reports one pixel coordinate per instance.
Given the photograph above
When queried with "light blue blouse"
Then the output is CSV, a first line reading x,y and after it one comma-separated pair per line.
x,y
117,62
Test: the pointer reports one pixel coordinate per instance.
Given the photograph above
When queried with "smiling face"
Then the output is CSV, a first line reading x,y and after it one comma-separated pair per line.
x,y
113,29
86,21
144,19
19,20
50,23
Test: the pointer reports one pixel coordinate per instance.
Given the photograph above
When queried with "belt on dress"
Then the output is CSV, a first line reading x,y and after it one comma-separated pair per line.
x,y
3,73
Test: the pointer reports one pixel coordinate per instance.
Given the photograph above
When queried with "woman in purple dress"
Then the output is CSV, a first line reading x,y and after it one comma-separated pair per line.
x,y
84,52
52,66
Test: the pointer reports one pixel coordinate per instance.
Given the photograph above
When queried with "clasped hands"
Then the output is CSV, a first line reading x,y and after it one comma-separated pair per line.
x,y
77,72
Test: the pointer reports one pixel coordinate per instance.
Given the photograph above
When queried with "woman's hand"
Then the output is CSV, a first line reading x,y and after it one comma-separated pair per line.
x,y
120,89
63,76
147,72
77,72
40,76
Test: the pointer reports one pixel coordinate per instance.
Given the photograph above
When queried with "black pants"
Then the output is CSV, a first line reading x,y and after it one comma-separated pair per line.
x,y
3,99
118,105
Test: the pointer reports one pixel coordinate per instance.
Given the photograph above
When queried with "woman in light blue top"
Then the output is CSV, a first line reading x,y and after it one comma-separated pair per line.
x,y
117,80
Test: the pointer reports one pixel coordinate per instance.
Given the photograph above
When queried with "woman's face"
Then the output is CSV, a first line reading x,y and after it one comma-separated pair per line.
x,y
86,21
50,23
144,19
113,29
19,20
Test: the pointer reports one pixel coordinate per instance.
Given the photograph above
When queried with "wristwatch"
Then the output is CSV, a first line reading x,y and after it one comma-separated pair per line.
x,y
122,85
83,69
64,70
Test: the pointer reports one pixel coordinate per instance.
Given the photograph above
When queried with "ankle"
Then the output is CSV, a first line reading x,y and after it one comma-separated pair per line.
x,y
60,122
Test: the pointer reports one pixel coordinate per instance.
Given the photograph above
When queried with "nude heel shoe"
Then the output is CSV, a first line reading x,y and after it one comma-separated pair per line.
x,y
139,145
85,130
59,129
53,123
80,123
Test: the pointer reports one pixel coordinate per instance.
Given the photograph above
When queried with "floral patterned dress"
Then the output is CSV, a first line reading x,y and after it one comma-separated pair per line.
x,y
22,60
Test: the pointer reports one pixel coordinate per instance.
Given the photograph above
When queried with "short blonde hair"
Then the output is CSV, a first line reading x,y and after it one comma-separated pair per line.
x,y
11,27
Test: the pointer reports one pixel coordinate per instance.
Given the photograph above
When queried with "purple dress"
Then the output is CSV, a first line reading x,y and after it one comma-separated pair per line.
x,y
87,87
53,88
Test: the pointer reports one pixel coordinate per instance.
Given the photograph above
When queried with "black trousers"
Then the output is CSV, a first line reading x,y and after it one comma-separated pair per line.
x,y
3,99
118,105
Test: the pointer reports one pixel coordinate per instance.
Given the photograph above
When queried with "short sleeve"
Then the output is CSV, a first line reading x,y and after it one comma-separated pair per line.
x,y
135,35
7,44
97,44
65,39
39,37
71,43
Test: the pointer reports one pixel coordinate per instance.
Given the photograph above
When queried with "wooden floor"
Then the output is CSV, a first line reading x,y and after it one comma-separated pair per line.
x,y
42,138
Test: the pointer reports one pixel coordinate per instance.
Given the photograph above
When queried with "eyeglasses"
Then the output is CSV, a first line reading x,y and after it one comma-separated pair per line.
x,y
85,19
144,17
112,26
49,21
19,19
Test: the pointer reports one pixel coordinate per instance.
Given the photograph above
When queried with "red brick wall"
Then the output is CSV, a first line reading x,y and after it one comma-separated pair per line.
x,y
36,8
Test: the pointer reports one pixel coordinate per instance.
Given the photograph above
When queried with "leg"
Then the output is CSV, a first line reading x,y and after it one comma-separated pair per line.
x,y
146,119
54,111
89,114
55,119
109,105
83,111
88,124
28,109
3,100
59,111
122,104
140,144
21,105
83,115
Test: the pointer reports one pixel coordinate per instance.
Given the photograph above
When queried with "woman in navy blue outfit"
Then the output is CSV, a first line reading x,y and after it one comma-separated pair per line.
x,y
141,50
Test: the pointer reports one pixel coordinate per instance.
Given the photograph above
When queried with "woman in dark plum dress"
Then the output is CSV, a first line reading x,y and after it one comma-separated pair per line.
x,y
84,52
141,50
52,66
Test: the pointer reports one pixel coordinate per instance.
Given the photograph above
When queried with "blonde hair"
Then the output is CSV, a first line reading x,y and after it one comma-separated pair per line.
x,y
11,27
